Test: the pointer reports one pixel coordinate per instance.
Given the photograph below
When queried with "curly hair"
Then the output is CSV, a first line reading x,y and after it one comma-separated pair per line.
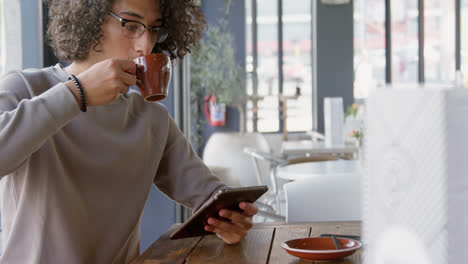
x,y
75,26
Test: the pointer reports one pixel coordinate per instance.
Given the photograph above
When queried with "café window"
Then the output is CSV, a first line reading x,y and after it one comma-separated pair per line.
x,y
463,20
2,39
416,46
11,52
279,65
405,45
369,45
439,40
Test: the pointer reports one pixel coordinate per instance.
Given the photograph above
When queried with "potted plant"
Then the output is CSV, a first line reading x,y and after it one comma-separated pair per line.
x,y
214,71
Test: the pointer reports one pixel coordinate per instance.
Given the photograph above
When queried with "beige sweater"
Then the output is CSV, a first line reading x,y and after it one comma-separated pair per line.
x,y
74,184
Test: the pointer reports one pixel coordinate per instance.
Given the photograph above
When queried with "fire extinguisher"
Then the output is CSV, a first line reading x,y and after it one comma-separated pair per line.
x,y
214,113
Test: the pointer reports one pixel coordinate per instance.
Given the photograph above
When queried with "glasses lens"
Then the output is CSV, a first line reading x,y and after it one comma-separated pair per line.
x,y
158,34
133,30
162,35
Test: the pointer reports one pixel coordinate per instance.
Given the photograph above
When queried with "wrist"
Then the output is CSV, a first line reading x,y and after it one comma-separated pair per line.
x,y
80,90
71,86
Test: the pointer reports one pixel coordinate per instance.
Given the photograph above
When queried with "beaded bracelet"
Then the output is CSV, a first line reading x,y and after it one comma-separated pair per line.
x,y
82,95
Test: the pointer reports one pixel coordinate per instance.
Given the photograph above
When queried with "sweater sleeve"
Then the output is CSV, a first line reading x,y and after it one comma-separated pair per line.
x,y
28,119
182,175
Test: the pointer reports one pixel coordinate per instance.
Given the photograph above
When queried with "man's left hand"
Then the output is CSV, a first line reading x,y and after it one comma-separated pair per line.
x,y
233,232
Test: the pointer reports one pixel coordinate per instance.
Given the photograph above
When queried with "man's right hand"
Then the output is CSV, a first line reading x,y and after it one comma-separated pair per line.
x,y
104,81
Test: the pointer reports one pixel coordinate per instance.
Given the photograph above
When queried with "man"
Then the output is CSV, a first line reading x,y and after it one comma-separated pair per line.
x,y
74,183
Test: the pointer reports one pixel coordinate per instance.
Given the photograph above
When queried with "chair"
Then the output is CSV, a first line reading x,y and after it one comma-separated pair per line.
x,y
327,198
225,150
224,156
260,158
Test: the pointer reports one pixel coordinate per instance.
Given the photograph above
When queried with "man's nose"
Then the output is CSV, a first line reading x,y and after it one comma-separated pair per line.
x,y
144,44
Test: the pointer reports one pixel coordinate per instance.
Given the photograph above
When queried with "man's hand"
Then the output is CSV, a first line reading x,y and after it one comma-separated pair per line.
x,y
232,232
104,81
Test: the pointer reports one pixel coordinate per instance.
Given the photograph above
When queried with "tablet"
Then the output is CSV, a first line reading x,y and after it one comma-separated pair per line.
x,y
223,199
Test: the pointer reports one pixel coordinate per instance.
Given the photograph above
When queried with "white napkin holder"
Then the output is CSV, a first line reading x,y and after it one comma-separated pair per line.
x,y
333,120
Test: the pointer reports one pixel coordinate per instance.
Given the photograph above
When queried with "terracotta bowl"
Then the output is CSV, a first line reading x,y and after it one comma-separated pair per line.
x,y
321,248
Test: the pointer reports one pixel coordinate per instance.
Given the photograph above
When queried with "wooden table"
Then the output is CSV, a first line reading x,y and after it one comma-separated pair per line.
x,y
262,245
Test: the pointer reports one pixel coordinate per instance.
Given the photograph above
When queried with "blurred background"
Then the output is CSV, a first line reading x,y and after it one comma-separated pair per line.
x,y
279,60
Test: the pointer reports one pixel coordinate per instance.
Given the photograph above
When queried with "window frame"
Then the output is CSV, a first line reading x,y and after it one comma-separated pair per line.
x,y
280,58
422,43
421,40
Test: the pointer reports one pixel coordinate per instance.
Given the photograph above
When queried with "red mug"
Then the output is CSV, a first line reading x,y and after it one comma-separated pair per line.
x,y
153,75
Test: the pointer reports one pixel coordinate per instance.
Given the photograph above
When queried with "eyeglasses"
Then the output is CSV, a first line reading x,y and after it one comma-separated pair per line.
x,y
135,29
